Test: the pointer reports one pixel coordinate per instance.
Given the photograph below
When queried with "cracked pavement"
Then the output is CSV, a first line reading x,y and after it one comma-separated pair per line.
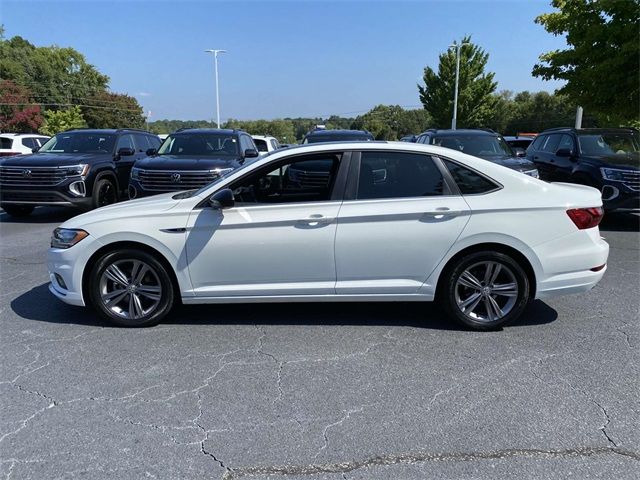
x,y
317,391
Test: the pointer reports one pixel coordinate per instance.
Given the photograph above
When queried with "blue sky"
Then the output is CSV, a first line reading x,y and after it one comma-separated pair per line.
x,y
291,58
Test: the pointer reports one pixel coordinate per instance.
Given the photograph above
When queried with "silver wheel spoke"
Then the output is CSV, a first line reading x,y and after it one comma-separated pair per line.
x,y
472,302
116,275
137,278
505,289
493,309
138,311
114,293
115,300
469,280
152,293
494,275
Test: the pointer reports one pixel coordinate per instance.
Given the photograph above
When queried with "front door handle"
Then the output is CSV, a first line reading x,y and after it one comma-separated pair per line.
x,y
316,219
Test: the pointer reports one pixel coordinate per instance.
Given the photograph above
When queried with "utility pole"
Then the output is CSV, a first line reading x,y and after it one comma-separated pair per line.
x,y
215,62
454,119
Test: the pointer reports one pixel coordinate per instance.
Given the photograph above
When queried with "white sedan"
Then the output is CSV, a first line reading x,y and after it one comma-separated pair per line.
x,y
362,221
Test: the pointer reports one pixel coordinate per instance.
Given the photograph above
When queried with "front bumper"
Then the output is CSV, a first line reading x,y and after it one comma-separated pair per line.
x,y
59,195
68,265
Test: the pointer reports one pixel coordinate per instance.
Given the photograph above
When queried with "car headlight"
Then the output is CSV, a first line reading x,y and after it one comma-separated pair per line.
x,y
532,173
613,174
75,170
67,237
135,173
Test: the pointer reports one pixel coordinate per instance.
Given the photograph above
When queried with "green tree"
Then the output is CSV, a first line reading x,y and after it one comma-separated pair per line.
x,y
54,75
390,122
601,65
113,110
56,121
17,112
475,99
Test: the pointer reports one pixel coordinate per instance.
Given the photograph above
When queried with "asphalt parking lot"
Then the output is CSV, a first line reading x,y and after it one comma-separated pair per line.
x,y
311,391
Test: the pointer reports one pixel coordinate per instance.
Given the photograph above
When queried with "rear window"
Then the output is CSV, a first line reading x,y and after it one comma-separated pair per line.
x,y
5,142
468,181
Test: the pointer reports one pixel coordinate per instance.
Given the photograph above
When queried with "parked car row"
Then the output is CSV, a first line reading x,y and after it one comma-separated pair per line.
x,y
92,168
20,143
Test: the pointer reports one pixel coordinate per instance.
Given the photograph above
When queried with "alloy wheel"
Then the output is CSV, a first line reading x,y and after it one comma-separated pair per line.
x,y
130,289
106,195
486,291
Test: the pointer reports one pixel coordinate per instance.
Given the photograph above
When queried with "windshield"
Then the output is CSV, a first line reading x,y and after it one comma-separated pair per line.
x,y
201,144
476,145
597,145
80,142
337,138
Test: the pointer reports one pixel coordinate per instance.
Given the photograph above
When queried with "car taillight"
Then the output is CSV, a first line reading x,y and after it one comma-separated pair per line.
x,y
586,217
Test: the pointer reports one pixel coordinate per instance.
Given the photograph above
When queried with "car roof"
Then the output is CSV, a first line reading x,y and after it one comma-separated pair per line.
x,y
26,135
227,131
323,131
587,131
262,137
108,130
461,131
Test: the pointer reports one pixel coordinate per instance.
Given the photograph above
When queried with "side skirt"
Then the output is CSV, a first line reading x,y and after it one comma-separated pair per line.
x,y
310,298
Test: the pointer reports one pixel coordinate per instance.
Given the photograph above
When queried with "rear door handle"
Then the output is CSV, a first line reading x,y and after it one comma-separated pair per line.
x,y
443,211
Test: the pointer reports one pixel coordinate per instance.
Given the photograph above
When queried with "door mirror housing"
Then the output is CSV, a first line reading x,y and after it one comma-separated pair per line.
x,y
125,152
520,152
222,199
250,153
564,152
151,152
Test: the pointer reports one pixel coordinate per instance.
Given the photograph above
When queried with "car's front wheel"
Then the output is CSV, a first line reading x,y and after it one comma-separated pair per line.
x,y
484,290
131,288
18,210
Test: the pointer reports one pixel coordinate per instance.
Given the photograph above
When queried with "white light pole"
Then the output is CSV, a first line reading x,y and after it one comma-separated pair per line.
x,y
457,46
215,62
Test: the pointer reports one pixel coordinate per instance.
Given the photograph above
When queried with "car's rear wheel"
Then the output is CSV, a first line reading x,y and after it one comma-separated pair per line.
x,y
18,210
484,290
131,288
104,193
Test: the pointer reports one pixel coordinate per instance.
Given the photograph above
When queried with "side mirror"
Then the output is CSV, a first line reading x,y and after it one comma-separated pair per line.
x,y
35,149
564,152
125,152
222,199
250,153
151,152
520,152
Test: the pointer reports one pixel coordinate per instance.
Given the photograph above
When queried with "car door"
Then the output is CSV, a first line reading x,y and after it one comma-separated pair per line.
x,y
543,155
398,221
278,238
125,163
561,166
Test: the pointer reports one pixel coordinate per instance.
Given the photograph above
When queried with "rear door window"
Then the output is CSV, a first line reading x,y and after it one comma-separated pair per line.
x,y
398,175
29,142
5,142
551,143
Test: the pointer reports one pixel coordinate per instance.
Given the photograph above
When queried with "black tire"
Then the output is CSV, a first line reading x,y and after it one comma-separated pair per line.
x,y
159,275
451,293
18,210
104,193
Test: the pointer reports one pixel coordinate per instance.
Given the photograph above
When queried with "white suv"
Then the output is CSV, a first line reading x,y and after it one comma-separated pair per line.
x,y
355,221
265,144
20,143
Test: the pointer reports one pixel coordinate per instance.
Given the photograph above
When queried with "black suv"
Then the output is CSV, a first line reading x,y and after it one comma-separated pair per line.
x,y
605,158
77,168
189,159
485,144
321,135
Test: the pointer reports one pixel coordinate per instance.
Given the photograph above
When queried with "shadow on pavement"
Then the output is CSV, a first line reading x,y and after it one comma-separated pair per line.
x,y
38,304
42,215
620,222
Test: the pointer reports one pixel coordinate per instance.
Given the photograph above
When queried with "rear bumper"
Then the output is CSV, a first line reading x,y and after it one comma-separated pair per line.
x,y
567,263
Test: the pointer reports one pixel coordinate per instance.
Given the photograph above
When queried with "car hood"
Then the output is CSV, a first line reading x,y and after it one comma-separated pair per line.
x,y
141,207
180,162
515,163
52,159
623,160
